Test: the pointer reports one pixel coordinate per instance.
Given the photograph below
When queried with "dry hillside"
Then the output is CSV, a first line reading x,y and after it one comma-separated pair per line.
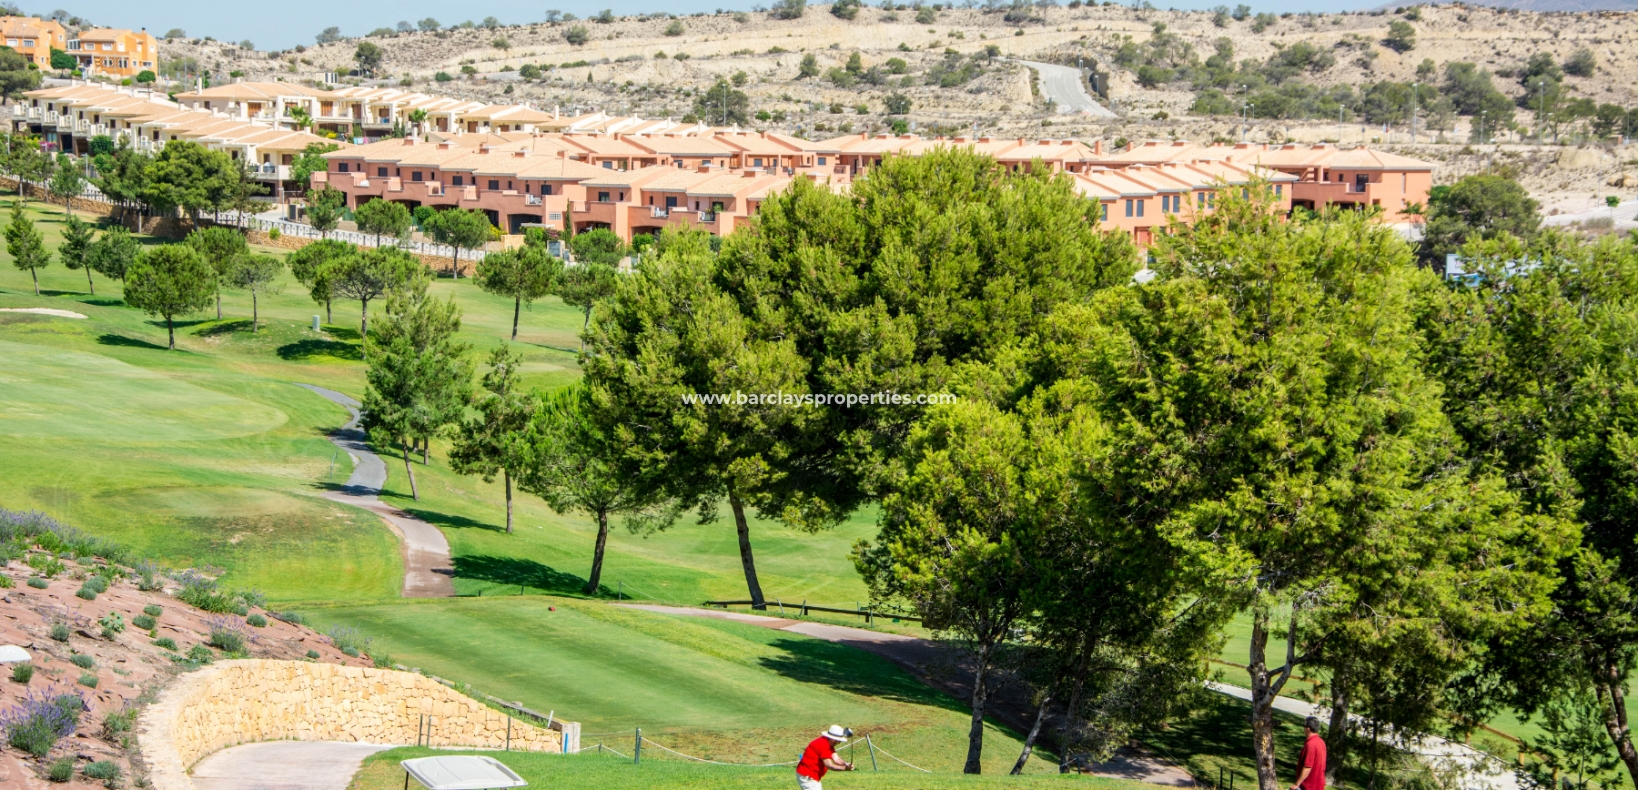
x,y
631,65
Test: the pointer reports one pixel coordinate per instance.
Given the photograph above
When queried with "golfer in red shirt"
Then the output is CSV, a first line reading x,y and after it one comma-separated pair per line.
x,y
1311,765
820,757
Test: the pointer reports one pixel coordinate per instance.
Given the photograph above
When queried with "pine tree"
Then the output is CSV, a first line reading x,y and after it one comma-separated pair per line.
x,y
418,373
75,249
496,439
26,246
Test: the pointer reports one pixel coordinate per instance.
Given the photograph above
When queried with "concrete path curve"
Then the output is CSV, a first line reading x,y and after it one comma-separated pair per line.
x,y
283,765
428,570
932,664
1062,84
1478,770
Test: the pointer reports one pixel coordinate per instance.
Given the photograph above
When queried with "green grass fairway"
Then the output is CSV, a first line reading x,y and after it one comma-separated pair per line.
x,y
607,772
713,688
76,396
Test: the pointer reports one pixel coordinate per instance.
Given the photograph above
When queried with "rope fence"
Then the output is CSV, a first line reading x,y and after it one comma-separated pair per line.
x,y
638,739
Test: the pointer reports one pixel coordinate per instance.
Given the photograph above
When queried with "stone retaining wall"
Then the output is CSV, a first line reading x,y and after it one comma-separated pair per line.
x,y
234,702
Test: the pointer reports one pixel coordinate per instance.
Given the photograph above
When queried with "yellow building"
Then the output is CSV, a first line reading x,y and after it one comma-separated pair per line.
x,y
34,38
115,52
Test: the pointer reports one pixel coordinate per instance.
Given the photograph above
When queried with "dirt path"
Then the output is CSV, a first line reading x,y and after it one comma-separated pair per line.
x,y
283,765
428,571
940,668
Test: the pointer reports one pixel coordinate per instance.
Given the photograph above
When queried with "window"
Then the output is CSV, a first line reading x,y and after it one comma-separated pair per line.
x,y
756,163
381,171
494,183
1104,217
821,160
1403,179
608,164
545,189
508,185
602,197
341,168
1279,189
1140,207
415,175
458,181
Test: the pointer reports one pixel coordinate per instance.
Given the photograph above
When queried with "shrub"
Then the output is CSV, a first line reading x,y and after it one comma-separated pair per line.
x,y
47,565
86,591
82,660
273,234
6,582
346,639
575,35
59,631
144,622
293,618
38,583
36,723
112,623
61,771
381,660
257,620
106,770
675,28
153,610
166,642
200,654
312,654
226,636
203,593
118,723
22,673
88,679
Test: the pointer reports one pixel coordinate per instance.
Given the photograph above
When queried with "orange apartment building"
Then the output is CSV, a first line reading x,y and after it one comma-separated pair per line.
x,y
1326,174
34,38
635,184
115,52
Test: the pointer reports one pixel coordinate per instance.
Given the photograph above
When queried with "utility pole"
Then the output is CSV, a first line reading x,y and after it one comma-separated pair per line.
x,y
1245,91
1413,114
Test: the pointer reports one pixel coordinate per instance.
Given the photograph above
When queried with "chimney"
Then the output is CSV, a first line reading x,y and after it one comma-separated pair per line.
x,y
483,149
750,173
520,154
1097,148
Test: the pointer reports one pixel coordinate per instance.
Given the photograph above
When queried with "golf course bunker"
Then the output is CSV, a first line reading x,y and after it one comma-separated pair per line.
x,y
43,311
49,393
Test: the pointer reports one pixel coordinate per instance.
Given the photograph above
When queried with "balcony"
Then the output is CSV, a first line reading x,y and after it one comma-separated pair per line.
x,y
532,200
658,213
708,217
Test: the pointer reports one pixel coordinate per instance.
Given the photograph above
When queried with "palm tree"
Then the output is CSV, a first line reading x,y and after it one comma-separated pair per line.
x,y
303,119
418,117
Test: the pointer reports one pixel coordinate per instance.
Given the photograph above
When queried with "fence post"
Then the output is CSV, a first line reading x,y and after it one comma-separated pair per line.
x,y
872,747
508,734
637,749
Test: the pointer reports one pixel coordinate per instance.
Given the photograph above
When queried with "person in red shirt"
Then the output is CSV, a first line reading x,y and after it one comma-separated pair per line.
x,y
1311,765
820,758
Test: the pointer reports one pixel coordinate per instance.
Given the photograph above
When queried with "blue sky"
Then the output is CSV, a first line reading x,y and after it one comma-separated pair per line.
x,y
301,20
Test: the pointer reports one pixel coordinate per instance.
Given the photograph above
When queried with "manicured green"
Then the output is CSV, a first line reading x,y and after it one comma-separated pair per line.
x,y
609,772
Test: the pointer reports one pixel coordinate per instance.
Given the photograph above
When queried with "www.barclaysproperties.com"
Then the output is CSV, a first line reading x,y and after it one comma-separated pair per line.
x,y
844,399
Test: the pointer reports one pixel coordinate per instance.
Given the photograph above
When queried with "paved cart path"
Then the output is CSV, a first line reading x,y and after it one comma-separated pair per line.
x,y
428,571
283,765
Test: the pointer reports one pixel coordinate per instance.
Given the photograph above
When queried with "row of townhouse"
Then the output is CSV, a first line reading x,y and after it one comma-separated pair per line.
x,y
634,185
361,114
67,117
112,51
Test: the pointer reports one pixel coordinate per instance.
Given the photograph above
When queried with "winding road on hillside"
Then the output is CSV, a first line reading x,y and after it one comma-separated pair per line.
x,y
1062,84
428,571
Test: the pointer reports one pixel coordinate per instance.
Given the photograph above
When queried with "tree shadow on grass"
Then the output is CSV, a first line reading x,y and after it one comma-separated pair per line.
x,y
853,670
213,328
342,333
98,301
50,292
441,519
310,348
110,339
521,572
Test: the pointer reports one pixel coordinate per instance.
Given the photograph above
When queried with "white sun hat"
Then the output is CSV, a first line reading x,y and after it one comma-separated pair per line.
x,y
837,733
